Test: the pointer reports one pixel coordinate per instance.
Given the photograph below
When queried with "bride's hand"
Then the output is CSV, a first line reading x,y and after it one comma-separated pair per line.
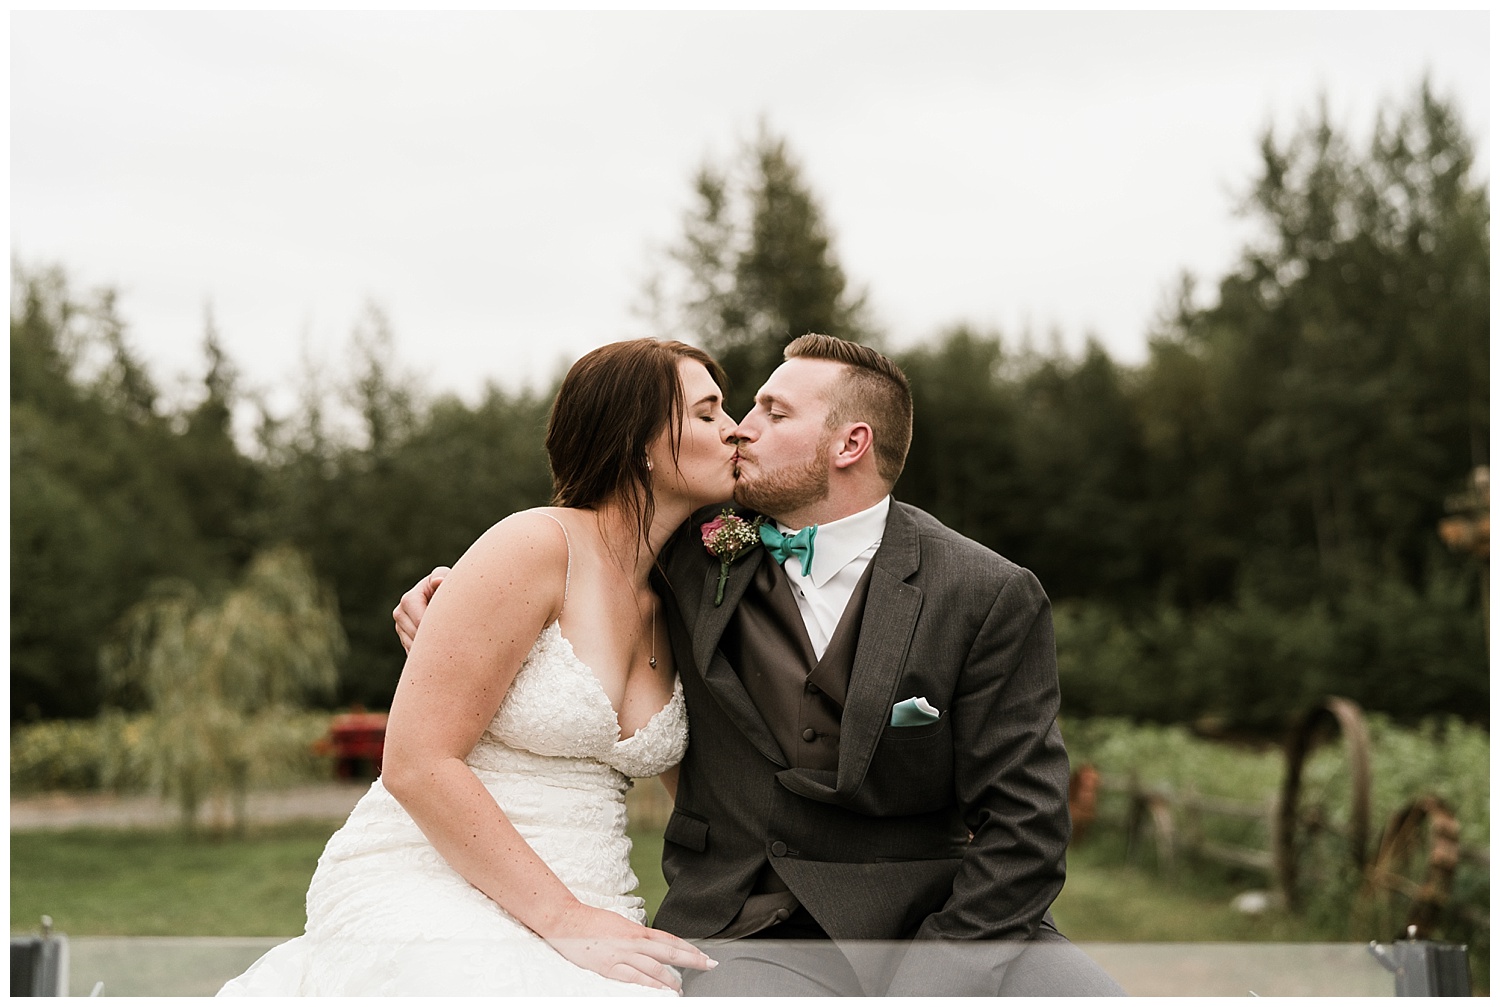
x,y
616,948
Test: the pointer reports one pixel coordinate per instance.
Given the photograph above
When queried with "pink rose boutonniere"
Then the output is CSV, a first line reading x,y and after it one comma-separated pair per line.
x,y
727,538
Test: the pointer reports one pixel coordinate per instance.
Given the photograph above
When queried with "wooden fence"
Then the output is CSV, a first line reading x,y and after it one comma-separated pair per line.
x,y
1173,823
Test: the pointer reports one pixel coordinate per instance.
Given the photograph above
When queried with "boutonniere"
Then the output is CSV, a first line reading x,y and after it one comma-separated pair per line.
x,y
727,538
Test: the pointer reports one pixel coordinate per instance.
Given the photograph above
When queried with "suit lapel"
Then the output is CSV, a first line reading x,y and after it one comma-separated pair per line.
x,y
718,676
693,577
885,634
712,619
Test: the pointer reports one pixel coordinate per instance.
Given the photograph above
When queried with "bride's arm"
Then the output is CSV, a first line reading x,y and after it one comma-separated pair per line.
x,y
478,630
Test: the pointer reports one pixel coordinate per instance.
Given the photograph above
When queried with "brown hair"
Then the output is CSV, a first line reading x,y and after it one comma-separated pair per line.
x,y
875,392
613,403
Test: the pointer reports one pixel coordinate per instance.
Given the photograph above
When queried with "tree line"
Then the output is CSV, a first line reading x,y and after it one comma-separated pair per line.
x,y
1240,524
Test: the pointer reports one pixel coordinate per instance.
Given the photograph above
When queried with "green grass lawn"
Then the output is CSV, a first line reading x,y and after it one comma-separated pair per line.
x,y
1107,900
95,882
113,883
101,882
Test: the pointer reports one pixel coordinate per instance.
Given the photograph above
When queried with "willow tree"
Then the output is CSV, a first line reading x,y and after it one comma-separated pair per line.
x,y
220,675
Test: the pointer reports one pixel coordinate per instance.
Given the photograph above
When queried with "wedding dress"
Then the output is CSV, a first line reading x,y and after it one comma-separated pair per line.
x,y
387,916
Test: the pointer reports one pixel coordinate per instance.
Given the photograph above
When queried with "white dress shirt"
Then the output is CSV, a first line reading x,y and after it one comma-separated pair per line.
x,y
842,550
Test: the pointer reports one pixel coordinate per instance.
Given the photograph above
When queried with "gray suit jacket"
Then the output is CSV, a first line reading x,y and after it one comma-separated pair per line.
x,y
880,849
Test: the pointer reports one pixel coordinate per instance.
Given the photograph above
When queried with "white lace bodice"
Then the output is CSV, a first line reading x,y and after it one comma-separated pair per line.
x,y
387,915
556,708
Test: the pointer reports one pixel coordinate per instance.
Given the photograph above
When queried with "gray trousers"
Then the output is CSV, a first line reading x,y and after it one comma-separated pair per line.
x,y
791,960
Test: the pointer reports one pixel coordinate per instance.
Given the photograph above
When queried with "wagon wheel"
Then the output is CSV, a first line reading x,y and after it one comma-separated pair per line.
x,y
1321,830
1408,882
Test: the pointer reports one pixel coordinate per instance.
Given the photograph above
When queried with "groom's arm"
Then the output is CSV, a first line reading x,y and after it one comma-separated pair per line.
x,y
1011,783
413,605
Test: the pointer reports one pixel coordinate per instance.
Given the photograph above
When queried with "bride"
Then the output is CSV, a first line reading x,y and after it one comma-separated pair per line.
x,y
491,855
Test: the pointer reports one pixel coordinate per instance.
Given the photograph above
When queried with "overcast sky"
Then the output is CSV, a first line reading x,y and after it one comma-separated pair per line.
x,y
500,184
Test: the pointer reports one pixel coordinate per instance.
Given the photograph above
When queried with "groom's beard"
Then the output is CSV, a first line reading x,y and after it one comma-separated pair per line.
x,y
787,489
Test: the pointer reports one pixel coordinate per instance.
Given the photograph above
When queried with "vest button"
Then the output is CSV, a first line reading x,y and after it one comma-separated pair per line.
x,y
809,735
778,849
782,915
812,690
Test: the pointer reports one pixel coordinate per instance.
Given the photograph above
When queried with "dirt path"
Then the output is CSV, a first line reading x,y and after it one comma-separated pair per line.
x,y
72,810
648,802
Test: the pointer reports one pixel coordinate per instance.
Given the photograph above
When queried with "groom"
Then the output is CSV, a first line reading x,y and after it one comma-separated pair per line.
x,y
872,706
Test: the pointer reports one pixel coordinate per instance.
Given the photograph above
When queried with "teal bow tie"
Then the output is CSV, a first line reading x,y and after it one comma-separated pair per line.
x,y
784,547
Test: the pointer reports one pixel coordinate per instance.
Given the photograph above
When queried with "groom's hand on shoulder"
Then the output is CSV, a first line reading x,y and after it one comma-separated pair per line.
x,y
408,614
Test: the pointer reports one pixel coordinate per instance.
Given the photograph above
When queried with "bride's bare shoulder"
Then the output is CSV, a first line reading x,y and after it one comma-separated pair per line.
x,y
526,545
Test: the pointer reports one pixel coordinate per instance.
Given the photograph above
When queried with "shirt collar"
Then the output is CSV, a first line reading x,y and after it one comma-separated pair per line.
x,y
839,542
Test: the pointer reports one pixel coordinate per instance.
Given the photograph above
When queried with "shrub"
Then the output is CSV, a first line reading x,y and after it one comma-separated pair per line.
x,y
108,754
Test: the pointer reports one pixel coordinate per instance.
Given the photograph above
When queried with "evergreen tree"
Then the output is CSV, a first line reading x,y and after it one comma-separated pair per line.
x,y
97,507
756,269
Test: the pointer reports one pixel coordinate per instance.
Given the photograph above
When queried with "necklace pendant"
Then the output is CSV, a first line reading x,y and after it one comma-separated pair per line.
x,y
653,661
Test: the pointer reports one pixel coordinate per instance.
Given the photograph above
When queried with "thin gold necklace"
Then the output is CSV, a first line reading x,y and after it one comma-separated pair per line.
x,y
653,634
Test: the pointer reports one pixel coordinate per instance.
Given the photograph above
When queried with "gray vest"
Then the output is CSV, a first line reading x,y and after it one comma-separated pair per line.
x,y
800,697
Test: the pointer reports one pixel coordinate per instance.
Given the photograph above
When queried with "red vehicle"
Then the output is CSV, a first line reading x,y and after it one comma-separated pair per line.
x,y
356,740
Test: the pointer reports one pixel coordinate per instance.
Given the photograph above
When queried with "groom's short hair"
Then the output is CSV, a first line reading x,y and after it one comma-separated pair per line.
x,y
876,393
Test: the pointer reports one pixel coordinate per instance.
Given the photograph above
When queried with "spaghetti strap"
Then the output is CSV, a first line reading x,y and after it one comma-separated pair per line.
x,y
568,575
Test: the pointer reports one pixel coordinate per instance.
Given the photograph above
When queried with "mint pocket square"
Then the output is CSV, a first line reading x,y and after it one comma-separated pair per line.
x,y
913,712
